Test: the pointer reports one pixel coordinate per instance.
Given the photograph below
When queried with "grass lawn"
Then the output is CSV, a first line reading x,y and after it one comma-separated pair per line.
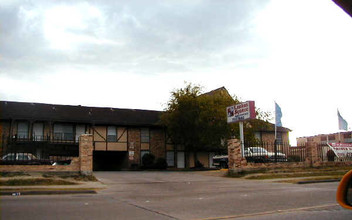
x,y
35,181
296,174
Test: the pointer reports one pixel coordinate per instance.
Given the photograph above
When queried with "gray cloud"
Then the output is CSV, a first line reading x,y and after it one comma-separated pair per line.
x,y
130,36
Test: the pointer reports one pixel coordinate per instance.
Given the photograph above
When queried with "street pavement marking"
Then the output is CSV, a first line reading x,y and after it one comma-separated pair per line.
x,y
271,212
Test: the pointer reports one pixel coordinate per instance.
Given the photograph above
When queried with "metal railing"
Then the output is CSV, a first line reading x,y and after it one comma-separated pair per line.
x,y
42,157
262,152
56,138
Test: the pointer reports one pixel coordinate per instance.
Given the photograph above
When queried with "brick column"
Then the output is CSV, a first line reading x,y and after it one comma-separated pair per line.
x,y
316,158
312,157
235,160
134,146
86,154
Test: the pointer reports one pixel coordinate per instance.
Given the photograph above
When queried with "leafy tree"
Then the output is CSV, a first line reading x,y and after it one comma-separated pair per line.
x,y
199,121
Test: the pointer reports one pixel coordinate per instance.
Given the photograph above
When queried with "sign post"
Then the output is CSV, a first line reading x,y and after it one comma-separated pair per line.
x,y
242,138
239,113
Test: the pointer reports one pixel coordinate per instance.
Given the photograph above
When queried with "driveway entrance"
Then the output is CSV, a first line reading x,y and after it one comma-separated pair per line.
x,y
195,195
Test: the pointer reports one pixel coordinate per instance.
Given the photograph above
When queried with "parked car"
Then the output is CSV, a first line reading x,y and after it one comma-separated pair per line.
x,y
259,154
252,154
22,159
220,161
19,156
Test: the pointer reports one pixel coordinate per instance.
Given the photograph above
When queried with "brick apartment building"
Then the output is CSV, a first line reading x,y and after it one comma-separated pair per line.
x,y
121,136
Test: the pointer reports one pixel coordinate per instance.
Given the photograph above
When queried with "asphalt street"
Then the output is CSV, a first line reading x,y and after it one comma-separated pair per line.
x,y
182,195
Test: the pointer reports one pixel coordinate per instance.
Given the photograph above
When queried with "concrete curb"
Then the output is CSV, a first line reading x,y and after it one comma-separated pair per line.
x,y
45,192
318,181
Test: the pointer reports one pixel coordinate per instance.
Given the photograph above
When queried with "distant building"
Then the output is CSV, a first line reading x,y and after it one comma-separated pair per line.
x,y
341,137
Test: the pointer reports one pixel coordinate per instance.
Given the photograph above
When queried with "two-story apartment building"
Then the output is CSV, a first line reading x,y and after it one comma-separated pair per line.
x,y
121,136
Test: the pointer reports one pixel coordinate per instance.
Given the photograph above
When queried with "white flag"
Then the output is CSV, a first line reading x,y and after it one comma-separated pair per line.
x,y
278,115
342,122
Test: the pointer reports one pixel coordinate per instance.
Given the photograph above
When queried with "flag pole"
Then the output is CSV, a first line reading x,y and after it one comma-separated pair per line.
x,y
275,121
275,144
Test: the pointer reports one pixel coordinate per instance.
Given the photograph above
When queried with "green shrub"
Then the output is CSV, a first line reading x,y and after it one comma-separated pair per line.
x,y
161,163
293,158
148,160
199,164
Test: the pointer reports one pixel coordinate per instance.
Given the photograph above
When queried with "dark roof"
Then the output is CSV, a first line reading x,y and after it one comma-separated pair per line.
x,y
221,90
77,114
346,5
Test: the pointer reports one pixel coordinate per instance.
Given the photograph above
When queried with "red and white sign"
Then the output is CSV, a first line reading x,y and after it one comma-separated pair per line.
x,y
341,149
241,112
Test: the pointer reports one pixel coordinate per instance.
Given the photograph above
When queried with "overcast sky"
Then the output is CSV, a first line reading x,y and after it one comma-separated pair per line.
x,y
132,54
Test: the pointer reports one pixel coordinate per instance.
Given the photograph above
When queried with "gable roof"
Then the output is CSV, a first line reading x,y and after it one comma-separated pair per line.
x,y
346,5
270,127
221,91
77,114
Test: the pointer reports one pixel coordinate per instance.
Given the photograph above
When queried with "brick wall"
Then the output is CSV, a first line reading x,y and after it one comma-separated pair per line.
x,y
86,153
73,167
157,143
237,163
82,164
134,145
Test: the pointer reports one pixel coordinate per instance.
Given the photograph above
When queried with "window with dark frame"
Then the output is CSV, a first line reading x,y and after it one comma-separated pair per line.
x,y
38,131
145,135
22,130
112,134
63,132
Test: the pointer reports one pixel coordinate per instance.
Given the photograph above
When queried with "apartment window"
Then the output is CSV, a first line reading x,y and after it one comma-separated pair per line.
x,y
38,131
22,130
145,135
80,129
112,134
258,136
63,132
170,158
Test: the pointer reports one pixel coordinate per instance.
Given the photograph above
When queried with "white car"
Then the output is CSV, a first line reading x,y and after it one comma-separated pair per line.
x,y
19,156
259,154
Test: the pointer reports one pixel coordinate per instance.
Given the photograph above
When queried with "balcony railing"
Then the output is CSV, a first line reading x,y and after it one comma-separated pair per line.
x,y
67,138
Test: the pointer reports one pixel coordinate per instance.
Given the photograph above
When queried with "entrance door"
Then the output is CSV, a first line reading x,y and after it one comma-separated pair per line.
x,y
180,159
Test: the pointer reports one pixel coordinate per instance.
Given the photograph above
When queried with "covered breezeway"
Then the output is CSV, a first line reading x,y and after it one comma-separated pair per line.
x,y
110,160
